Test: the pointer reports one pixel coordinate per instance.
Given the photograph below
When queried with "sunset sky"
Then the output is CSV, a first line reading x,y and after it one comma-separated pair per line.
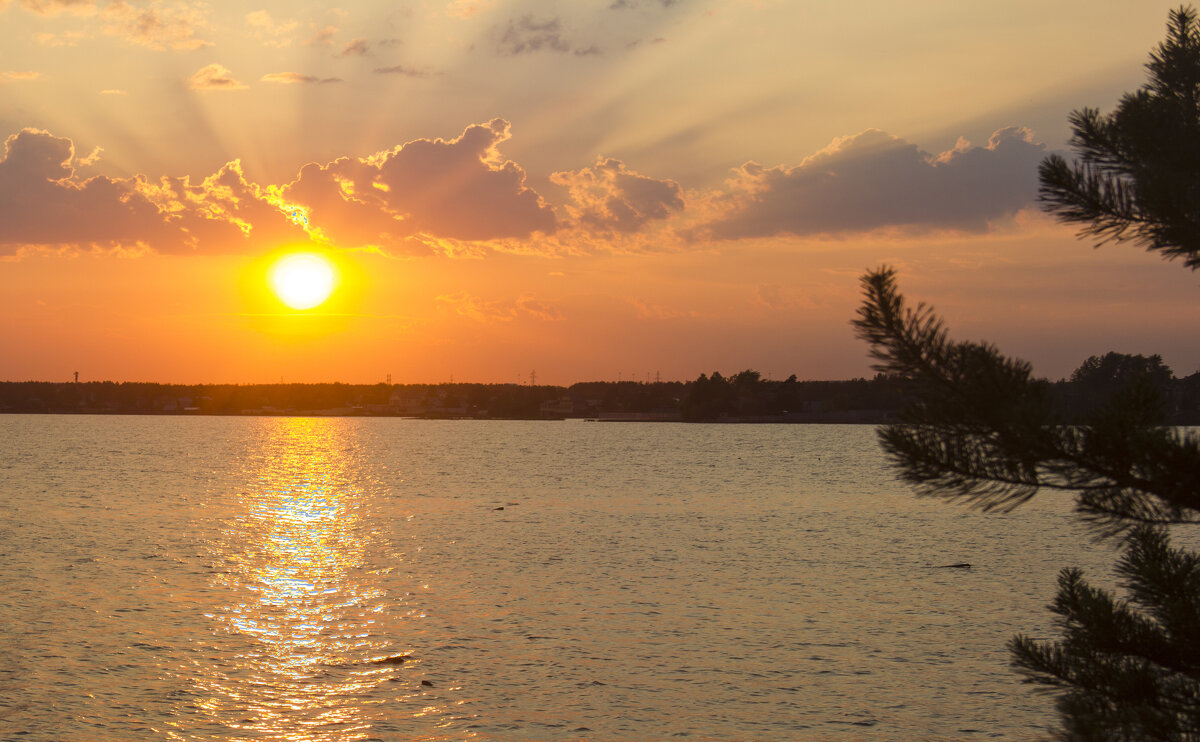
x,y
596,189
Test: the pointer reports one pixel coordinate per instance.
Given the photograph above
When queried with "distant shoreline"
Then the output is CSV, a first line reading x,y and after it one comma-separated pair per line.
x,y
815,420
742,398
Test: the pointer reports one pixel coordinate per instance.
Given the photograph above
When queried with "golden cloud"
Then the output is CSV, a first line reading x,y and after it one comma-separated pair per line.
x,y
214,77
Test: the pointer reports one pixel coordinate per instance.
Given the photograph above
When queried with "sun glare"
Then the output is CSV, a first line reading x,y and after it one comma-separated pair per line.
x,y
303,280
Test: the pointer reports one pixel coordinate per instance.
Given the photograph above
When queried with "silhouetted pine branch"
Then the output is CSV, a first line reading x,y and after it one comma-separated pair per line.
x,y
981,429
1136,176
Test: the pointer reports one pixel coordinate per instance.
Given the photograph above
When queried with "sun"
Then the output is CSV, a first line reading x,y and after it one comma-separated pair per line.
x,y
303,280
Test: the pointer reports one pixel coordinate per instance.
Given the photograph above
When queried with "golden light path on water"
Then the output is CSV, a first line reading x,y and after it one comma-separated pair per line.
x,y
311,631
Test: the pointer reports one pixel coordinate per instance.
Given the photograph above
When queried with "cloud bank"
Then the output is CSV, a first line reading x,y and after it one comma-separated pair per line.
x,y
43,202
407,199
462,196
874,180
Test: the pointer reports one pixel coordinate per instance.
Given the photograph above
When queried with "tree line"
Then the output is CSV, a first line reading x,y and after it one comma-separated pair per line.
x,y
742,397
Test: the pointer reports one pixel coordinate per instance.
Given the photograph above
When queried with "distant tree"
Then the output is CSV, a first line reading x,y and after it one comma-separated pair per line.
x,y
747,379
983,431
1119,367
1100,377
1115,369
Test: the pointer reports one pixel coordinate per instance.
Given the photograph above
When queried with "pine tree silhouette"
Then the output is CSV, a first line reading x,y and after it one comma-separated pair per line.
x,y
983,431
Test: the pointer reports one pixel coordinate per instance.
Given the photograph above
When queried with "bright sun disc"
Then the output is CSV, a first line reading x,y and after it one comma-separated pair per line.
x,y
303,280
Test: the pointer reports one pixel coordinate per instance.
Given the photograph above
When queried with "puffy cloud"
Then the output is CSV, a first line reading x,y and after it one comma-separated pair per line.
x,y
114,91
291,78
223,213
429,196
214,77
461,189
462,197
343,205
608,197
43,202
874,180
14,76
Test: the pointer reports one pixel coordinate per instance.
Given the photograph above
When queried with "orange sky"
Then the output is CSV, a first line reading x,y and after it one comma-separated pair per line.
x,y
593,190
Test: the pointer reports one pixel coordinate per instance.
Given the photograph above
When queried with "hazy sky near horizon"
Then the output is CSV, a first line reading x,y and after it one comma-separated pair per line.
x,y
595,190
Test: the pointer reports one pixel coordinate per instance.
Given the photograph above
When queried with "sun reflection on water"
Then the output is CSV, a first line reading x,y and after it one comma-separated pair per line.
x,y
299,639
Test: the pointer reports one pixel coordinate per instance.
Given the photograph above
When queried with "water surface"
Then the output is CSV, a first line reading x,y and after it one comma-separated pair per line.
x,y
320,580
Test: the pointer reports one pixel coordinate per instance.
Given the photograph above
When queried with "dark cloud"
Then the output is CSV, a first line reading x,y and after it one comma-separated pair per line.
x,y
873,180
526,34
356,48
400,70
608,197
629,4
41,204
